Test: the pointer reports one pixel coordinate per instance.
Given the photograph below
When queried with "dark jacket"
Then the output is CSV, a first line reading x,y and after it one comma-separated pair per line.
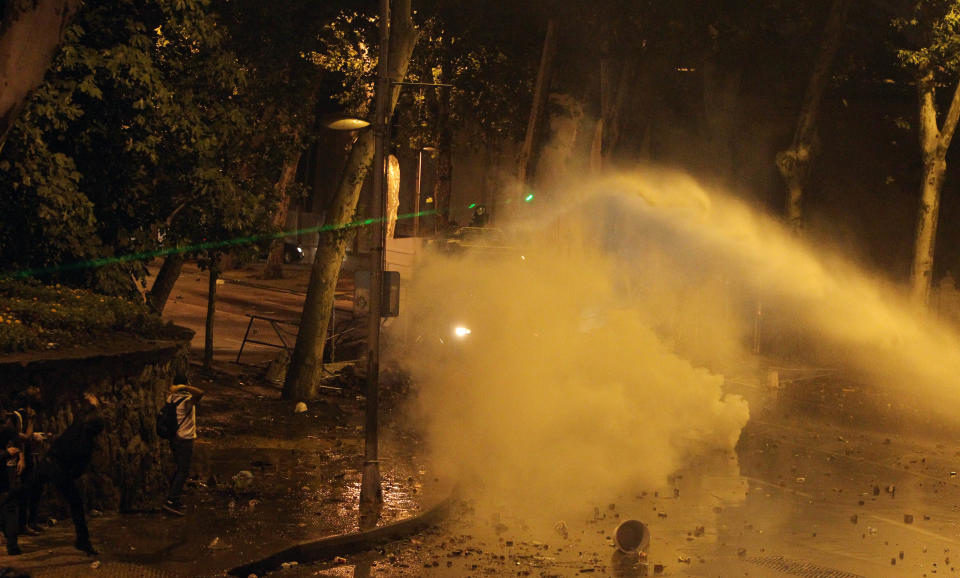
x,y
73,449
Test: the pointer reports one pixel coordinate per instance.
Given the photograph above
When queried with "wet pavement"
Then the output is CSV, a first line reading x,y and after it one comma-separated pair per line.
x,y
800,497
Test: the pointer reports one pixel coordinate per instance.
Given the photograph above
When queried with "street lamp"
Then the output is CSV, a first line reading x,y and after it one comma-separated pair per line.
x,y
371,492
416,203
343,122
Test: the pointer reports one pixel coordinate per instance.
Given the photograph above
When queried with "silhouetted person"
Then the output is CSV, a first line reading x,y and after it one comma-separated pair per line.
x,y
186,397
480,216
8,497
25,417
68,458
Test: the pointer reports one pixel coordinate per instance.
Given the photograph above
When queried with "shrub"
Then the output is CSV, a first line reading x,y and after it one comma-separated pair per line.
x,y
35,316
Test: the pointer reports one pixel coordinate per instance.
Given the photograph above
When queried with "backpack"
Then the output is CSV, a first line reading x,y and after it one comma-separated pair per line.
x,y
167,423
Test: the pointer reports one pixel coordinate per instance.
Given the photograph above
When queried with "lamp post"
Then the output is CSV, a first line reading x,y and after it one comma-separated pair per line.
x,y
416,202
371,492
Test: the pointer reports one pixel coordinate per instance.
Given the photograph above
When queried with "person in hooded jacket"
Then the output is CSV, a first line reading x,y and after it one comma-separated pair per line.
x,y
67,459
186,397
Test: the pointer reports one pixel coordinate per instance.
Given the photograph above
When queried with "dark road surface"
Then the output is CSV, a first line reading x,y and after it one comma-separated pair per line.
x,y
795,500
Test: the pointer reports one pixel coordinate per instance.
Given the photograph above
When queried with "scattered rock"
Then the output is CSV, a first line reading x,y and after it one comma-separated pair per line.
x,y
242,480
300,407
908,518
95,564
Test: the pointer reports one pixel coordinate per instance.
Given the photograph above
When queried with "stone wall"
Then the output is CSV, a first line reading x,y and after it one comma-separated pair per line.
x,y
130,468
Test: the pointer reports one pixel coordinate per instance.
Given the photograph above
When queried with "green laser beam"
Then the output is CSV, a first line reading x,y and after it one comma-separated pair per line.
x,y
147,255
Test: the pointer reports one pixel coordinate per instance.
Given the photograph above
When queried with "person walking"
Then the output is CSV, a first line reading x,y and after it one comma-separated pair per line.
x,y
68,458
185,397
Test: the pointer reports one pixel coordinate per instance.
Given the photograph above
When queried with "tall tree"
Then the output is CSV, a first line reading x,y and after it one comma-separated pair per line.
x,y
794,162
30,34
142,123
276,44
306,363
933,32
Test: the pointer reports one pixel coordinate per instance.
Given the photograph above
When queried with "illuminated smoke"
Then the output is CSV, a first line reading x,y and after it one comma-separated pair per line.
x,y
599,340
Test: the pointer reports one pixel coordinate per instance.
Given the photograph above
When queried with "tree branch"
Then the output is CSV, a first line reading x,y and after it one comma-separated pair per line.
x,y
950,122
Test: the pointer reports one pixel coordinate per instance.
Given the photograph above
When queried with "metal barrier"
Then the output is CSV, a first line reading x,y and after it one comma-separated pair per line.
x,y
287,337
276,324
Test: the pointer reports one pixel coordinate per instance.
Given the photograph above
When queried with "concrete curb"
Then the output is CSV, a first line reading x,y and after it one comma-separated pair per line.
x,y
326,548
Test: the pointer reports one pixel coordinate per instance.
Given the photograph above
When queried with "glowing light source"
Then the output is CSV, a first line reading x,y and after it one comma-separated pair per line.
x,y
343,122
471,205
461,331
528,198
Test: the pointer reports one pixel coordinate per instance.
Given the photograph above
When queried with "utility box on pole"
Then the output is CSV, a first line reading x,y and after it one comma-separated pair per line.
x,y
389,297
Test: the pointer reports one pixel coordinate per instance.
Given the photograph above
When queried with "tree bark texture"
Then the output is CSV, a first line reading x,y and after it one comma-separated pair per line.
x,y
934,143
211,310
393,194
163,284
540,92
306,363
30,34
794,162
274,266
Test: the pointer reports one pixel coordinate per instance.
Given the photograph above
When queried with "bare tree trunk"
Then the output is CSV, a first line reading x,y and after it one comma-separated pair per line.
x,y
934,144
274,266
614,86
794,162
30,33
211,310
305,369
444,181
540,92
164,283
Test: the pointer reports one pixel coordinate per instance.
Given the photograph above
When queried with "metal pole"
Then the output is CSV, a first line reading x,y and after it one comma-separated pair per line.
x,y
416,202
371,493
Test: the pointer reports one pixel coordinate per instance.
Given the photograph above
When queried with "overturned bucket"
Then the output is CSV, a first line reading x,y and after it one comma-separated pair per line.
x,y
632,535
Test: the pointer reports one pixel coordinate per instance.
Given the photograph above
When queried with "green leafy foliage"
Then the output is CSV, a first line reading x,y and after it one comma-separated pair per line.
x,y
930,36
141,124
40,317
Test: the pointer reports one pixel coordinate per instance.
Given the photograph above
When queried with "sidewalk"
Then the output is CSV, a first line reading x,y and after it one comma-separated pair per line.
x,y
242,294
305,486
